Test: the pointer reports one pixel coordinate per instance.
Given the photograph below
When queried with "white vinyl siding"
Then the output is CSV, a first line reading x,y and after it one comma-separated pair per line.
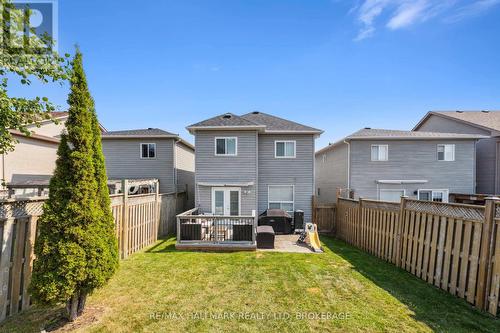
x,y
284,149
380,153
446,152
148,150
226,146
281,197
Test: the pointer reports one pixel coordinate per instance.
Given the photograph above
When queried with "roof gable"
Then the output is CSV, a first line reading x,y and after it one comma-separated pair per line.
x,y
253,120
489,120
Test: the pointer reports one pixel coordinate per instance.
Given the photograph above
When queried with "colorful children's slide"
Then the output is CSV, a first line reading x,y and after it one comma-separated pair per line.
x,y
312,237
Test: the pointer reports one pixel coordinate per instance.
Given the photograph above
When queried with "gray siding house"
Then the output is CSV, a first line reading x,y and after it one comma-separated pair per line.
x,y
151,153
485,123
386,164
247,164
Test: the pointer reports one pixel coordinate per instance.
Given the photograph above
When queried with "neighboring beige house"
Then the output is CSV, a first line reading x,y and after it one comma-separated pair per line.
x,y
33,160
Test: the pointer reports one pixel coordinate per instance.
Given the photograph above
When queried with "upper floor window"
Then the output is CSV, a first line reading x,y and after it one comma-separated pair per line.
x,y
380,152
226,146
284,149
324,158
446,152
148,150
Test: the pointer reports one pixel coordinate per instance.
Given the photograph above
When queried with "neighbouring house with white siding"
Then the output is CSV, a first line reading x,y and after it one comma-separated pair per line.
x,y
151,153
386,164
485,123
30,165
247,164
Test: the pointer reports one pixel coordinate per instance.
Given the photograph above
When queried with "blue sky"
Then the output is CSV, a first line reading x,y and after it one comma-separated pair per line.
x,y
336,65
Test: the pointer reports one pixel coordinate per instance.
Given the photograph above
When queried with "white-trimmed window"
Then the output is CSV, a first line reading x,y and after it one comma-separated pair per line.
x,y
433,195
284,149
281,197
324,158
446,152
226,146
380,153
148,150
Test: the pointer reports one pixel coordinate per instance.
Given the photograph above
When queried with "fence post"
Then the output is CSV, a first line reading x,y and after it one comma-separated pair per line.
x,y
337,217
157,212
358,225
313,199
399,228
125,219
484,273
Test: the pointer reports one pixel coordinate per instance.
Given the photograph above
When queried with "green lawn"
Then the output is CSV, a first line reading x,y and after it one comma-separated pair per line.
x,y
264,292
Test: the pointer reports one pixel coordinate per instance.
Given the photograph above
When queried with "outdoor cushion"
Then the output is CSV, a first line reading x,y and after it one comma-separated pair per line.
x,y
242,232
191,231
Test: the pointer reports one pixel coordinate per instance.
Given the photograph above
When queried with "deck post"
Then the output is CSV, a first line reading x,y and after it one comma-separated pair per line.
x,y
254,229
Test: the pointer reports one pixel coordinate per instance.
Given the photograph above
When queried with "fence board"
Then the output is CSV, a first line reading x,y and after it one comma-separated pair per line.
x,y
452,246
137,223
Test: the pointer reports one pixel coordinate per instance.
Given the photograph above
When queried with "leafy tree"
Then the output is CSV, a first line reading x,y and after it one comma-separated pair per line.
x,y
76,251
24,57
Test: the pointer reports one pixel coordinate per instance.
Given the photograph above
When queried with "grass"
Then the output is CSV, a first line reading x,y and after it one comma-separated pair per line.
x,y
162,289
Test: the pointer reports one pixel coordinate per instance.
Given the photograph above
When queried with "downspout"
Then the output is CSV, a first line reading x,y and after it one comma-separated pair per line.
x,y
175,163
348,164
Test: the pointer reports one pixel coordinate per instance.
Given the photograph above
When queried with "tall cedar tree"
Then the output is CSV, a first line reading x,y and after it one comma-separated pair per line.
x,y
76,251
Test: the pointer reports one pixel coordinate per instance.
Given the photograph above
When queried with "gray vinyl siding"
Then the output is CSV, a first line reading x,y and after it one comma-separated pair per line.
x,y
123,160
298,171
486,158
184,160
226,169
412,160
331,172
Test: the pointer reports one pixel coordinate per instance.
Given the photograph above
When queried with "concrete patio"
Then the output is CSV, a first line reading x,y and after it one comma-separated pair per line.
x,y
288,243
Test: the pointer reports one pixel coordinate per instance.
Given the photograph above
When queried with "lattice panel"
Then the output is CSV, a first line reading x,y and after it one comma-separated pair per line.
x,y
391,206
453,211
497,211
14,209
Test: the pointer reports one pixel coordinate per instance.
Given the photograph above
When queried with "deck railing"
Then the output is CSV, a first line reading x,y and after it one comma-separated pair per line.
x,y
196,229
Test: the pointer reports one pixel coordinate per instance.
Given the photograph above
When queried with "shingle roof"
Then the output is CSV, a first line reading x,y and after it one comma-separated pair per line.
x,y
140,132
144,133
254,119
59,114
367,133
485,119
274,123
225,120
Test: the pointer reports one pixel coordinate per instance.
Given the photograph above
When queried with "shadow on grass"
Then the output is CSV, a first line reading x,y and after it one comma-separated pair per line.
x,y
166,244
435,307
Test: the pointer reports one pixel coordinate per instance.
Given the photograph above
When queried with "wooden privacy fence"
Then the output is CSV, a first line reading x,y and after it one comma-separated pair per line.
x,y
323,215
455,247
139,221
